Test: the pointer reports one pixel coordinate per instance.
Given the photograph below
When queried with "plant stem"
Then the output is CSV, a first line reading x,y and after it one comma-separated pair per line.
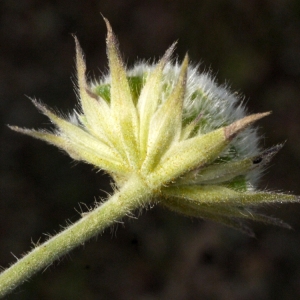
x,y
132,195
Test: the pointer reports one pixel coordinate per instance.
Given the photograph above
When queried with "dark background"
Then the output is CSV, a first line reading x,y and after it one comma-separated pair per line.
x,y
252,45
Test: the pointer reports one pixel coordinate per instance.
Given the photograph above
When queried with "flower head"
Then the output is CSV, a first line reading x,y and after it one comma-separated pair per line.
x,y
188,139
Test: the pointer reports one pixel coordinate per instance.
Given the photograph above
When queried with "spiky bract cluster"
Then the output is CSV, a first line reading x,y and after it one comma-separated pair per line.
x,y
185,137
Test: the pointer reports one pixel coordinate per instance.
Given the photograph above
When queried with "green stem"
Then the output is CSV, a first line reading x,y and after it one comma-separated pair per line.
x,y
132,195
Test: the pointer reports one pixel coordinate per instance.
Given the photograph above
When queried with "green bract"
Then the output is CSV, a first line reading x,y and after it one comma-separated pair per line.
x,y
188,140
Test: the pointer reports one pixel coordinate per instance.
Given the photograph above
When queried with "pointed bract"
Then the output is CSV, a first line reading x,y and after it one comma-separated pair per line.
x,y
198,151
224,172
217,194
96,111
122,106
149,100
165,126
77,151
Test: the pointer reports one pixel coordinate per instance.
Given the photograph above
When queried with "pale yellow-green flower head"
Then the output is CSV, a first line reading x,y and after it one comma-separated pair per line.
x,y
188,139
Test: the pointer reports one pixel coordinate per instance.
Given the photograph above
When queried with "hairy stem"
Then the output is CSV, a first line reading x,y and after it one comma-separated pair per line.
x,y
132,195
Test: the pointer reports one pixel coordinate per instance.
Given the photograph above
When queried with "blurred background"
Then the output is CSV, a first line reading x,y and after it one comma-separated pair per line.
x,y
253,45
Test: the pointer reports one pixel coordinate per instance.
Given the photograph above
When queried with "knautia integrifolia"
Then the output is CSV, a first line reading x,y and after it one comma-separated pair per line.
x,y
167,135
